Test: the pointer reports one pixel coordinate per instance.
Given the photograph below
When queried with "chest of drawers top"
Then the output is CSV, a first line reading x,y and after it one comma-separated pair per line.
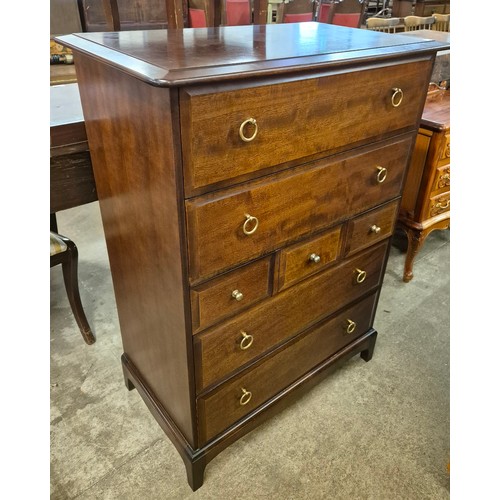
x,y
169,58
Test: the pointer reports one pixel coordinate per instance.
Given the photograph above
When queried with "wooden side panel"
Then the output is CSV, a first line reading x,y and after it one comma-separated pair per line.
x,y
132,145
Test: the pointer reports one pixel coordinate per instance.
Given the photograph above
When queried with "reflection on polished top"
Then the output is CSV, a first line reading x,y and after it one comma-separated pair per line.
x,y
177,57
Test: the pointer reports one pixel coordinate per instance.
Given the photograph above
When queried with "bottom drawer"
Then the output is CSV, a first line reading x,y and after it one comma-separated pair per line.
x,y
239,396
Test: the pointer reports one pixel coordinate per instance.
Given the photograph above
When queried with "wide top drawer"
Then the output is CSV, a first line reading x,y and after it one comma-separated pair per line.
x,y
230,132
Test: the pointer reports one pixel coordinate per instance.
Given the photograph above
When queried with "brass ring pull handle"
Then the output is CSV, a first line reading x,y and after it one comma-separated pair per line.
x,y
442,206
245,397
361,276
397,97
246,341
249,121
237,295
351,326
247,225
314,257
381,174
375,229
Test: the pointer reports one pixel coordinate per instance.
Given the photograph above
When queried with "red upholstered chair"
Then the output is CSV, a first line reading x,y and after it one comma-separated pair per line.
x,y
237,12
298,18
349,20
197,18
323,12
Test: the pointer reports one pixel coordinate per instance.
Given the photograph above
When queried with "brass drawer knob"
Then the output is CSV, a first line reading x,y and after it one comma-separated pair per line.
x,y
381,174
237,295
360,276
375,229
351,326
397,96
250,225
245,397
314,258
249,121
246,341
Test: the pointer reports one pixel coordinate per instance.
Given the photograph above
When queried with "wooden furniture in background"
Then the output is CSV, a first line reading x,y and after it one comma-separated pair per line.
x,y
415,23
295,11
425,205
71,176
247,242
402,8
383,24
64,251
441,22
429,7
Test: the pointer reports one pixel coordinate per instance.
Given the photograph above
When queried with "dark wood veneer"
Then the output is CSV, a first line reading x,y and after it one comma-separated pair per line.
x,y
174,189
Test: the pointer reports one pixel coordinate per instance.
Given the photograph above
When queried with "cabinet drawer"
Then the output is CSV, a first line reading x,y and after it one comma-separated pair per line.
x,y
446,148
226,348
442,180
231,227
293,119
230,293
367,229
224,406
439,205
306,258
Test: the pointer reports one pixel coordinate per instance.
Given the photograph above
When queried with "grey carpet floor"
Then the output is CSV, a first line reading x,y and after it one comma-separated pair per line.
x,y
377,430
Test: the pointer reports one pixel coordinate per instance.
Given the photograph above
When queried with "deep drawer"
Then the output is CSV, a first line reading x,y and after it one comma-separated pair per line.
x,y
237,225
439,204
306,258
230,294
239,396
293,119
367,229
226,348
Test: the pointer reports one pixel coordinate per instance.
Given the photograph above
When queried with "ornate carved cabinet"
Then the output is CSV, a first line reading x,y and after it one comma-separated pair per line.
x,y
425,205
249,181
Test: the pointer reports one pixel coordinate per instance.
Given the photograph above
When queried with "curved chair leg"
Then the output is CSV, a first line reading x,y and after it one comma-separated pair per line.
x,y
70,274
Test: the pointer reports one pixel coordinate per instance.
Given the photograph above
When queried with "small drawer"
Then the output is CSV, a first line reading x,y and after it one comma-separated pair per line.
x,y
371,227
439,205
441,181
230,133
222,350
239,396
230,294
306,258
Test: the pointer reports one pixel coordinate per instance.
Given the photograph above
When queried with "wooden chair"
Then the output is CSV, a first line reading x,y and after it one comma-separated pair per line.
x,y
201,13
383,24
236,12
64,251
348,13
441,22
296,11
414,23
118,15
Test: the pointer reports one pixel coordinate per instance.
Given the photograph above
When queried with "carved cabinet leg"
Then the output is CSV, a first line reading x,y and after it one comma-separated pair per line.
x,y
415,241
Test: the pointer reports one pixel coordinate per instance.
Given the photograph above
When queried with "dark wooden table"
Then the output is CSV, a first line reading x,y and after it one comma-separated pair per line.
x,y
71,176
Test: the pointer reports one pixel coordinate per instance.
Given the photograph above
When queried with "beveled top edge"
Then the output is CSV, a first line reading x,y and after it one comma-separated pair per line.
x,y
181,57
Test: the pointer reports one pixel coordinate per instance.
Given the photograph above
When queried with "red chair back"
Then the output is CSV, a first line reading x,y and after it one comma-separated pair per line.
x,y
324,10
349,20
298,18
237,12
197,18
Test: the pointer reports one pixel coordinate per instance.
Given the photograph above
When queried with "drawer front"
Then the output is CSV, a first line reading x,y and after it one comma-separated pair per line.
x,y
369,228
441,181
230,293
239,396
224,349
293,119
246,222
439,205
446,148
306,258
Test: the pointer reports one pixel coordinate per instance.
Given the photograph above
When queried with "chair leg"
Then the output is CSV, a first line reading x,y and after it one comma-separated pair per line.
x,y
70,274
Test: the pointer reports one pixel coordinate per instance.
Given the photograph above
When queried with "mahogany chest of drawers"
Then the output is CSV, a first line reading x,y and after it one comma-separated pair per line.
x,y
249,180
